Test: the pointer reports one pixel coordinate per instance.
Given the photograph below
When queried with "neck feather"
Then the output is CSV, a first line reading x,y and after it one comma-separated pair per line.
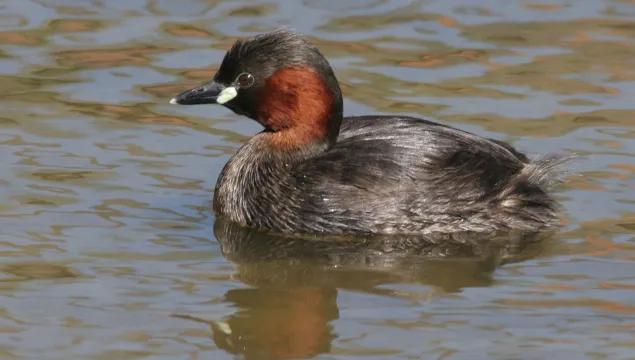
x,y
299,108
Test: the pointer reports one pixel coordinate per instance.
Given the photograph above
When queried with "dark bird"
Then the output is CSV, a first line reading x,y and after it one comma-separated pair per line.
x,y
313,171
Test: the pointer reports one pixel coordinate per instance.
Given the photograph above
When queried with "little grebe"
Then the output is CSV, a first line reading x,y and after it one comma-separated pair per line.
x,y
313,171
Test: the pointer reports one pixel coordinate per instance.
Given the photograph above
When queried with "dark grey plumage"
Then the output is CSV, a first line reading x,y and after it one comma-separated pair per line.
x,y
391,175
369,174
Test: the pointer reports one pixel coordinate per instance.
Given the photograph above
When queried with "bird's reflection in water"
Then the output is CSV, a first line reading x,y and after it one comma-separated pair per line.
x,y
292,298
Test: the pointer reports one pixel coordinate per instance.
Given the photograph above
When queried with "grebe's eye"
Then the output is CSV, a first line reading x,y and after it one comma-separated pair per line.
x,y
245,80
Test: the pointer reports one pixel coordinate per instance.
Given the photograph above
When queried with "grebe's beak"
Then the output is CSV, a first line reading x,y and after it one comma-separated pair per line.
x,y
210,93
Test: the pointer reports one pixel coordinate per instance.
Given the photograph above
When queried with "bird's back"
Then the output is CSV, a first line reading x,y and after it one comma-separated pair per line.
x,y
389,175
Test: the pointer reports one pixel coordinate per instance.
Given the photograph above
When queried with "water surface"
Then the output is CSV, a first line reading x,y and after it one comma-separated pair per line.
x,y
108,247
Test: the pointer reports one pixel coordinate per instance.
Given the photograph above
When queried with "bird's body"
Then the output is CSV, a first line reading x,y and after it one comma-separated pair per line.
x,y
313,171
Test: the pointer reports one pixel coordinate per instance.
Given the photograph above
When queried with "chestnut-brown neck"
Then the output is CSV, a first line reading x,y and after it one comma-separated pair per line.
x,y
298,108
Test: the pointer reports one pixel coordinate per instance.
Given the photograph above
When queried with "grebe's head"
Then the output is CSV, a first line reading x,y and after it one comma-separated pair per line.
x,y
280,80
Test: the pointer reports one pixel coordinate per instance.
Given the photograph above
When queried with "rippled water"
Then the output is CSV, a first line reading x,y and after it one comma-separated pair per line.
x,y
108,247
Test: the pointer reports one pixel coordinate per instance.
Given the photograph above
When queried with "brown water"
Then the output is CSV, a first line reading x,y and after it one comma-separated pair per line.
x,y
108,248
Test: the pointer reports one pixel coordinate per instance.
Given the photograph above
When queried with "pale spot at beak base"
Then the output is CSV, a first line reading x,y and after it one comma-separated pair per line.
x,y
173,101
226,95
